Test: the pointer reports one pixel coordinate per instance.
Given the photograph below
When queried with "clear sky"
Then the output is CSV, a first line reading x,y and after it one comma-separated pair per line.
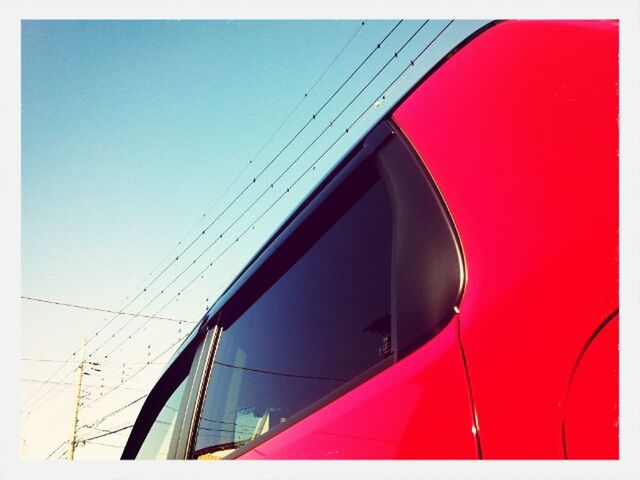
x,y
131,131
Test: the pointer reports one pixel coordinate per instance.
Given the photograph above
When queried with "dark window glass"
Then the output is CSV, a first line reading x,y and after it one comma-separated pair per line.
x,y
157,442
323,322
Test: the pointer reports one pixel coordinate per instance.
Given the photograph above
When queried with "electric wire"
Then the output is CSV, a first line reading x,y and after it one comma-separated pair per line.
x,y
239,195
84,386
243,171
138,371
48,360
169,334
246,188
343,110
35,404
90,442
98,429
55,450
126,339
112,432
233,201
346,131
116,411
237,219
42,401
96,309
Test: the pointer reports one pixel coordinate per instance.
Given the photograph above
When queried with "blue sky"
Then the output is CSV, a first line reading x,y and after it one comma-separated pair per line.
x,y
131,130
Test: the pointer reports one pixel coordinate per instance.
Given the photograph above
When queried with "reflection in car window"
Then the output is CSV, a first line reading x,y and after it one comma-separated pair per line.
x,y
322,323
156,444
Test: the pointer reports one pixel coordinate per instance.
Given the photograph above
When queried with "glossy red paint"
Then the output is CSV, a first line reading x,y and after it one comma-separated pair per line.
x,y
520,132
418,408
591,419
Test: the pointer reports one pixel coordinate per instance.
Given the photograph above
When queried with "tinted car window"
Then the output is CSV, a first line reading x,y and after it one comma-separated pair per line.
x,y
157,442
323,322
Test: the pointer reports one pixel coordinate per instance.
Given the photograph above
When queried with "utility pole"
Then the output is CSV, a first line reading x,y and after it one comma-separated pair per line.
x,y
71,449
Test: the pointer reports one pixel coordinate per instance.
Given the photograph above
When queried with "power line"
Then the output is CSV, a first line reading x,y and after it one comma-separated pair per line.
x,y
101,363
288,117
246,188
138,371
118,410
28,399
83,440
162,337
377,47
282,124
96,309
331,123
129,303
43,395
232,202
126,339
106,416
55,450
335,58
35,380
40,402
411,64
103,444
54,422
321,155
63,363
220,236
101,429
344,109
281,374
113,388
59,382
103,418
43,360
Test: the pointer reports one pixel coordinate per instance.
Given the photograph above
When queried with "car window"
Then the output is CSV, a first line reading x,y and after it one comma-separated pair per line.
x,y
325,321
157,442
163,424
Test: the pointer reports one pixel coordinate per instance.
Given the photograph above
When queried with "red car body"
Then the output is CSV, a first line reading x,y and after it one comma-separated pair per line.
x,y
519,130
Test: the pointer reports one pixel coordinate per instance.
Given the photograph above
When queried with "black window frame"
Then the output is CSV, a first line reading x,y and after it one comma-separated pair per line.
x,y
318,219
191,365
422,228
